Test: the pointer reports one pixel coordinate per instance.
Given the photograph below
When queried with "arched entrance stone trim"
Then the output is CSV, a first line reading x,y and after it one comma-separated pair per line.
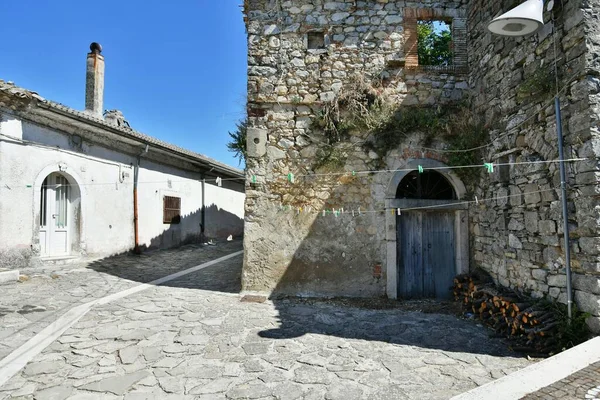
x,y
78,200
459,209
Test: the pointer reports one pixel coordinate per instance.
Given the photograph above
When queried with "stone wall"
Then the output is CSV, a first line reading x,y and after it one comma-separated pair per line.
x,y
520,239
290,246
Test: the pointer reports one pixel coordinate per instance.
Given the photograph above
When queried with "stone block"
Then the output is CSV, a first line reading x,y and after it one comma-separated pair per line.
x,y
547,227
586,283
557,280
539,274
594,324
531,193
590,245
515,225
551,254
554,292
531,221
514,242
588,302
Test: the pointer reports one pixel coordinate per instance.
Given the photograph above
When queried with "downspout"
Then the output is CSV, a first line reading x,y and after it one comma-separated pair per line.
x,y
203,211
136,174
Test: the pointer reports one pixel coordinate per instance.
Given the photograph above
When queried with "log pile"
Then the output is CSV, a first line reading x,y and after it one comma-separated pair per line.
x,y
511,315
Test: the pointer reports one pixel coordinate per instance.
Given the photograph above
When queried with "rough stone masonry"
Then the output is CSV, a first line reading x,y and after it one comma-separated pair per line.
x,y
303,54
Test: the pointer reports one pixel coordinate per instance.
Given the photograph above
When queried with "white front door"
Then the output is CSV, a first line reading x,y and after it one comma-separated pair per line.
x,y
54,216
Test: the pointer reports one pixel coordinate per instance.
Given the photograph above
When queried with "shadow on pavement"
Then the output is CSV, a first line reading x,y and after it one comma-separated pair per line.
x,y
152,265
404,323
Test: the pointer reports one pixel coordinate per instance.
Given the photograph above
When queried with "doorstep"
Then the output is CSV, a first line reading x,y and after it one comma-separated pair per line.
x,y
9,276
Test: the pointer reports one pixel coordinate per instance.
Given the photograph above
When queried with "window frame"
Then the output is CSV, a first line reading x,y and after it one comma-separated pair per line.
x,y
171,210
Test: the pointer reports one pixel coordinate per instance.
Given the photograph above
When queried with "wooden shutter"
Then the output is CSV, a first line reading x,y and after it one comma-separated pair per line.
x,y
171,210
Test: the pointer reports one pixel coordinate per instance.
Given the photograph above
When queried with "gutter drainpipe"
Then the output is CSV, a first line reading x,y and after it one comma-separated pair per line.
x,y
203,212
136,174
565,208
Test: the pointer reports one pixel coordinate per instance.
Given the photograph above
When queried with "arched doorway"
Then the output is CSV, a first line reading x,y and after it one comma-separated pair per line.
x,y
58,215
426,264
428,246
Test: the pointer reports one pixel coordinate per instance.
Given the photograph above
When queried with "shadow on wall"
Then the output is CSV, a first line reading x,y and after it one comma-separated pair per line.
x,y
154,263
219,224
326,254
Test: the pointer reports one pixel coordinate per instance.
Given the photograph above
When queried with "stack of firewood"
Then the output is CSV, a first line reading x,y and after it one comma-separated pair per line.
x,y
510,314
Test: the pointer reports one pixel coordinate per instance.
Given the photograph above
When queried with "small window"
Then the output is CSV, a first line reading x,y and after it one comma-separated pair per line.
x,y
171,210
434,43
316,40
43,203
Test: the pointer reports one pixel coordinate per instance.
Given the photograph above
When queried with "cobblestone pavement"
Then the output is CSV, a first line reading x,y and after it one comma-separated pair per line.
x,y
584,384
27,308
195,339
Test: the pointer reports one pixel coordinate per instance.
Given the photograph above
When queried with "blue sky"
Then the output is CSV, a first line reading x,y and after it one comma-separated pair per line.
x,y
177,72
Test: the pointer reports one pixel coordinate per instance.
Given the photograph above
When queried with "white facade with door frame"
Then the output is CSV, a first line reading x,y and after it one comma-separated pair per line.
x,y
98,161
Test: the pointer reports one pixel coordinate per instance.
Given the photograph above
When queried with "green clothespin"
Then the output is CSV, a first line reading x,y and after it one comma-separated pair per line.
x,y
291,177
29,186
490,167
353,173
253,178
420,169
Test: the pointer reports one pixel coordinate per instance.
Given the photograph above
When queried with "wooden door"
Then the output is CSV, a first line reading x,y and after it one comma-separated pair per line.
x,y
426,258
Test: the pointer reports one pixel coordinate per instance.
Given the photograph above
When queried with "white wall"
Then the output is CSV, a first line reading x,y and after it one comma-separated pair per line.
x,y
106,216
153,185
224,211
107,205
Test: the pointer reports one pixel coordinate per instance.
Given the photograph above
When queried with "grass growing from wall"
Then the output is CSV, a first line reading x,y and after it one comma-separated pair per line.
x,y
361,109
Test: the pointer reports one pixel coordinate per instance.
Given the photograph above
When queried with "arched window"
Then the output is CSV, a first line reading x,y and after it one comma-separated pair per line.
x,y
429,185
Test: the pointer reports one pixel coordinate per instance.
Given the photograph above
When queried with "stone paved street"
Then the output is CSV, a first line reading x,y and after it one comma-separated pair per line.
x,y
584,384
28,307
193,338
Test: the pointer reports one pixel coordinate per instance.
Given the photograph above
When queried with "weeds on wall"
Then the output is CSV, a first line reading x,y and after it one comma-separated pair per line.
x,y
362,109
330,159
358,107
540,83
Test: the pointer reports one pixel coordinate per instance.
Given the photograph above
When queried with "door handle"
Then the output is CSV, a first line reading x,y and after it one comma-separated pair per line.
x,y
54,216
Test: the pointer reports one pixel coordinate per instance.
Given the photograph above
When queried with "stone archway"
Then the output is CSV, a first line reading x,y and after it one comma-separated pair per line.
x,y
454,208
58,226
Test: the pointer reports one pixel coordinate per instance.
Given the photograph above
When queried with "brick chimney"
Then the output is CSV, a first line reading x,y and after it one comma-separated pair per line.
x,y
94,81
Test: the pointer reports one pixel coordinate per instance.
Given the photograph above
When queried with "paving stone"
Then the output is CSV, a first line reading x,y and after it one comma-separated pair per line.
x,y
128,355
171,385
214,386
54,393
249,391
312,375
118,384
48,367
288,391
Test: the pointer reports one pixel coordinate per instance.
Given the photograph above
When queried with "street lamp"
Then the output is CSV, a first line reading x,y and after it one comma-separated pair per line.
x,y
523,20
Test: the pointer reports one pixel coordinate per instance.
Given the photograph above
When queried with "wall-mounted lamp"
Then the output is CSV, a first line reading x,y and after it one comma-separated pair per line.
x,y
522,20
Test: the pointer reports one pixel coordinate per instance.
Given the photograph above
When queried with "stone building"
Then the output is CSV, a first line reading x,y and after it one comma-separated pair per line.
x,y
84,184
334,210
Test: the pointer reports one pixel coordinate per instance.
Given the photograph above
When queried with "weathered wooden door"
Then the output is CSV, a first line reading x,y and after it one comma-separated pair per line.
x,y
426,261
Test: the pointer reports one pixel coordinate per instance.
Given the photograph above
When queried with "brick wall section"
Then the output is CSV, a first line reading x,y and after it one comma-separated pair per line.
x,y
458,25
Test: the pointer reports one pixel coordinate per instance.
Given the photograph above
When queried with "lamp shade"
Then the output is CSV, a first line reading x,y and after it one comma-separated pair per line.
x,y
522,20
